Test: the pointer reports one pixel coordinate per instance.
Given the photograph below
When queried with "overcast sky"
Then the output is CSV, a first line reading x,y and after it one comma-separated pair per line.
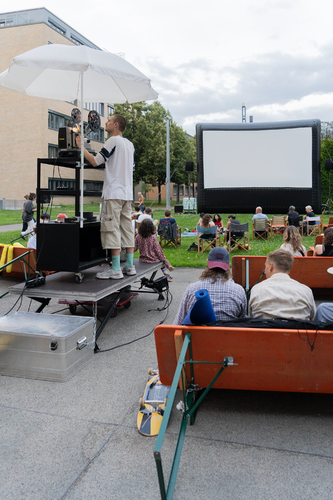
x,y
206,58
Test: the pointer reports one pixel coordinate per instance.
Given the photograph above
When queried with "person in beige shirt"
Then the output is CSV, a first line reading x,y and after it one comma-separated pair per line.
x,y
279,296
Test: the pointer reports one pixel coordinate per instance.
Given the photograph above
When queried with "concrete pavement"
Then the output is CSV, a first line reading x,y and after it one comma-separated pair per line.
x,y
78,440
10,227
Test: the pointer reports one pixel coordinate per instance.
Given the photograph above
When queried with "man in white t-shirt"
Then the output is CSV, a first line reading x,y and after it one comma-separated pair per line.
x,y
117,194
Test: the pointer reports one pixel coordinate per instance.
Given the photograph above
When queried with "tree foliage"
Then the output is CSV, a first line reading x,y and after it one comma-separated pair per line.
x,y
146,128
326,154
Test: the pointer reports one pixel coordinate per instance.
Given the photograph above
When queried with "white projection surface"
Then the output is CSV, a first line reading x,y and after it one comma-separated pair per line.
x,y
257,158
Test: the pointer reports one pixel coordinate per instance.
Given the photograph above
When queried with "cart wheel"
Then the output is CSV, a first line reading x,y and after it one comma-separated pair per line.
x,y
79,278
141,402
72,308
127,304
150,371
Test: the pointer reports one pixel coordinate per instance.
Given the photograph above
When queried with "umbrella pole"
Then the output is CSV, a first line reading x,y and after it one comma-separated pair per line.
x,y
82,154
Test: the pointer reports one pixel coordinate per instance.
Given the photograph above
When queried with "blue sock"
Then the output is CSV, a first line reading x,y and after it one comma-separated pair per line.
x,y
129,259
116,262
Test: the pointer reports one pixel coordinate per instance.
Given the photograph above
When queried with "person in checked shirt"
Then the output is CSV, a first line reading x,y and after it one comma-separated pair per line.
x,y
227,297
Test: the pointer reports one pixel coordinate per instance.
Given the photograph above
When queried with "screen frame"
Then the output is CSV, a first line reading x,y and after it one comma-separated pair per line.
x,y
274,200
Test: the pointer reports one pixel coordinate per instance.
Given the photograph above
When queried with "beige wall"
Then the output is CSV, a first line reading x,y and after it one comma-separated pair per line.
x,y
24,133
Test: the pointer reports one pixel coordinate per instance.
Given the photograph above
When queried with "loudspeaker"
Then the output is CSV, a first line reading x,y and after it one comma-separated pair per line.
x,y
328,165
178,209
44,198
189,166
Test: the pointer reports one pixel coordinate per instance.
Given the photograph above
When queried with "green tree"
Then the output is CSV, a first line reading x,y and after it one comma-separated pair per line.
x,y
326,154
146,128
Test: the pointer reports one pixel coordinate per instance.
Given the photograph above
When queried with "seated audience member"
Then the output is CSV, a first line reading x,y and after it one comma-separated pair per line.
x,y
309,213
218,222
200,220
279,296
167,219
293,242
32,241
259,214
293,216
45,217
325,312
148,214
136,212
61,217
231,218
326,249
206,221
227,297
150,250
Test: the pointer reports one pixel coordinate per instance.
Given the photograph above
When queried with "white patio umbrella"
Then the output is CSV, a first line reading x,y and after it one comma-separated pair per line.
x,y
67,73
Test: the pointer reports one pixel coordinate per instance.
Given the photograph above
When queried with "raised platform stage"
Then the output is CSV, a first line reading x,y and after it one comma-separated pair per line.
x,y
63,286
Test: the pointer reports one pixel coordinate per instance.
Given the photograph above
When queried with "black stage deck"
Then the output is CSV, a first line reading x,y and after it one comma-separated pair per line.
x,y
63,286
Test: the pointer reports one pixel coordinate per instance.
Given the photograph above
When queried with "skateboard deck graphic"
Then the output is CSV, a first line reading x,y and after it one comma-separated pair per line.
x,y
152,405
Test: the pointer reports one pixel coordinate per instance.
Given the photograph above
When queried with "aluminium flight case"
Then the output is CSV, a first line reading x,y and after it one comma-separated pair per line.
x,y
45,346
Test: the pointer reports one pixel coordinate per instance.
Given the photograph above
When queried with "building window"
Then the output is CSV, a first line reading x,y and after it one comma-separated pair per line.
x,y
110,110
57,27
97,136
191,191
53,151
76,40
96,106
56,120
181,190
186,191
174,190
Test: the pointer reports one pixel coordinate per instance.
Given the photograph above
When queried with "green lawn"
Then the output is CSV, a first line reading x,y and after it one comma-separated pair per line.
x,y
179,257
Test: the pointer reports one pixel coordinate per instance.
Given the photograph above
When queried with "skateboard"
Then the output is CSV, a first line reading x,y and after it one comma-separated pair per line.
x,y
152,405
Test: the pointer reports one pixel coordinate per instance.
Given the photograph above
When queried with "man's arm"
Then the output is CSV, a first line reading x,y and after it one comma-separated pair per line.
x,y
88,156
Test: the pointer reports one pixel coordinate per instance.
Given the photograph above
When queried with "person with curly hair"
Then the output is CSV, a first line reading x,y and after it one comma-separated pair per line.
x,y
293,242
326,249
228,298
150,250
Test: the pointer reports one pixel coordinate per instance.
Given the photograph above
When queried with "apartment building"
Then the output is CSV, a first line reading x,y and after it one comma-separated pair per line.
x,y
29,125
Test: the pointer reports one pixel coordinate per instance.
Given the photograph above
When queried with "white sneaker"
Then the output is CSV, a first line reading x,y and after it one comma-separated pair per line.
x,y
110,274
129,270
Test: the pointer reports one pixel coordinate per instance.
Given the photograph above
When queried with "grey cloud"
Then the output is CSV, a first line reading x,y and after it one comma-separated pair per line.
x,y
273,78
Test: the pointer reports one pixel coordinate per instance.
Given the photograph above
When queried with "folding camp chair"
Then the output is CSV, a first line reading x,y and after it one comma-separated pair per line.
x,y
278,224
316,227
260,229
208,238
169,234
239,237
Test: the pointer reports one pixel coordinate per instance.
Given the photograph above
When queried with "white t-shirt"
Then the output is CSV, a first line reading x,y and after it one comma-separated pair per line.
x,y
144,216
288,247
118,156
